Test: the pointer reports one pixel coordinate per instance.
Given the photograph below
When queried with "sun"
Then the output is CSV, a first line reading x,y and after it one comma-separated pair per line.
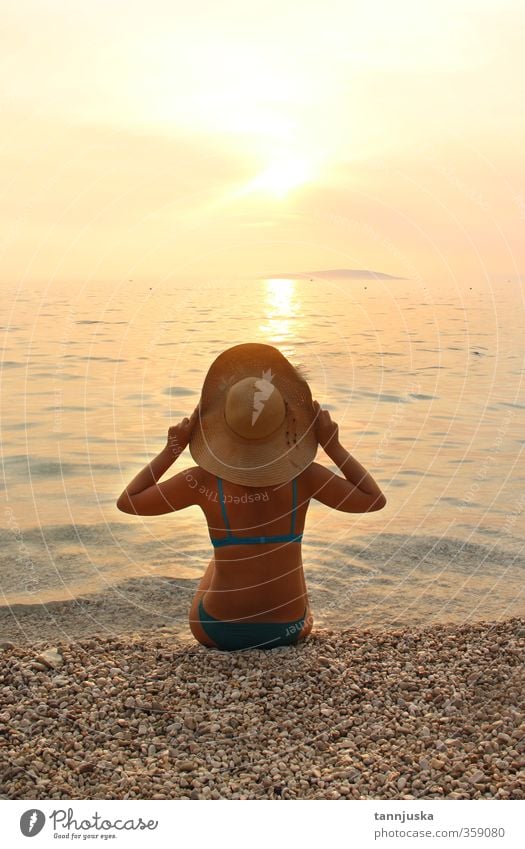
x,y
281,176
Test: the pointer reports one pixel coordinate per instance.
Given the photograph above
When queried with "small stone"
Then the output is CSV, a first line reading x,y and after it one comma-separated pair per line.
x,y
5,644
155,707
478,778
401,782
86,766
51,658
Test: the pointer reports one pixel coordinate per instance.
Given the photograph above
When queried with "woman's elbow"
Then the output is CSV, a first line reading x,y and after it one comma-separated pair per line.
x,y
377,504
123,504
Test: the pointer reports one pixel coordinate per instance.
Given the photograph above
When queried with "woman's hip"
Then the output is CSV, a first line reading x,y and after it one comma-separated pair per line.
x,y
231,635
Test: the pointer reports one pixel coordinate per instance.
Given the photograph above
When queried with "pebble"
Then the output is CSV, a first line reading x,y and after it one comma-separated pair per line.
x,y
86,767
51,658
371,717
185,765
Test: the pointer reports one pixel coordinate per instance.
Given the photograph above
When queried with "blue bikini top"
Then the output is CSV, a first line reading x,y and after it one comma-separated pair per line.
x,y
230,539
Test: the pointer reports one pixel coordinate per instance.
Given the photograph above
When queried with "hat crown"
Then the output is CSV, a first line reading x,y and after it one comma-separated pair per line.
x,y
254,407
248,438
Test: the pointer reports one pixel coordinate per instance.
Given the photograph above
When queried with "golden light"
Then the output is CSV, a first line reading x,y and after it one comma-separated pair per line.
x,y
281,176
281,309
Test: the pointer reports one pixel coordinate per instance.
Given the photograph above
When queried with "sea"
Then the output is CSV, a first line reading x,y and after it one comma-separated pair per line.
x,y
425,382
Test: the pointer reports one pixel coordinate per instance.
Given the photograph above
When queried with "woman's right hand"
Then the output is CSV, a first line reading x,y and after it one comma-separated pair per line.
x,y
179,435
326,430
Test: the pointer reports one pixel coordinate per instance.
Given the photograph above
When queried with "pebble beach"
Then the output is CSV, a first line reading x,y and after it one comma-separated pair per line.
x,y
413,713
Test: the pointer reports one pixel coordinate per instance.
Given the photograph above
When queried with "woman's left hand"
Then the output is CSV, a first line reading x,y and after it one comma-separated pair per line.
x,y
179,435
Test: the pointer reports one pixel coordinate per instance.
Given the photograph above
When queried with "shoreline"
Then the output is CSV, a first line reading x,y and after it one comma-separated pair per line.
x,y
154,604
125,608
405,713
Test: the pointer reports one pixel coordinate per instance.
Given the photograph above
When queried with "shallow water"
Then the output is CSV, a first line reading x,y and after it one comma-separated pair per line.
x,y
427,387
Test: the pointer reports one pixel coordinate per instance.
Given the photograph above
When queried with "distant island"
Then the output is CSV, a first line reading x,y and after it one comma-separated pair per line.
x,y
332,274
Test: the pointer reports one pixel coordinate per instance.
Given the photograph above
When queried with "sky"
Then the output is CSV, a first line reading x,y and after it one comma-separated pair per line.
x,y
165,141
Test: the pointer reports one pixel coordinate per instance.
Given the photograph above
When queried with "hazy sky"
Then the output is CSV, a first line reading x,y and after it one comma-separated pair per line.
x,y
167,140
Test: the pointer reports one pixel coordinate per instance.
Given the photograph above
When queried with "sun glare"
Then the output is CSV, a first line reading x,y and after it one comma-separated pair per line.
x,y
280,310
280,177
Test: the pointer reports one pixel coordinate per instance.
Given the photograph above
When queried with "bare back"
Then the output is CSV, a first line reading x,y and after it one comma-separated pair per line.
x,y
264,581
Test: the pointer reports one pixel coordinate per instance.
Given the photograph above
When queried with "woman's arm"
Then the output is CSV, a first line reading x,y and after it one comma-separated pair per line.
x,y
145,483
151,473
353,470
364,495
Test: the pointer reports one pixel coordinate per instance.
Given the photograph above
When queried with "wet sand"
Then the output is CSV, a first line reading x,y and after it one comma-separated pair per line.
x,y
132,606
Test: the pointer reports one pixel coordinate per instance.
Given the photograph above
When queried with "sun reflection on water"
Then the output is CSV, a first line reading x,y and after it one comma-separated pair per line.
x,y
281,310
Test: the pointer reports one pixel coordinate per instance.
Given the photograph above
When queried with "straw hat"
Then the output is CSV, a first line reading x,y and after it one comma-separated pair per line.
x,y
256,418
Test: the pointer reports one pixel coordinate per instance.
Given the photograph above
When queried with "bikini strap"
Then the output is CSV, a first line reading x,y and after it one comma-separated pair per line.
x,y
294,504
223,505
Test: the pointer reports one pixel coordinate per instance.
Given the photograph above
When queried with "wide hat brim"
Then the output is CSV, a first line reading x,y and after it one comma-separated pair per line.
x,y
275,459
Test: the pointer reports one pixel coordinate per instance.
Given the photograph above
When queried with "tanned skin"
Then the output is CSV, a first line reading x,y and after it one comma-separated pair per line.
x,y
253,583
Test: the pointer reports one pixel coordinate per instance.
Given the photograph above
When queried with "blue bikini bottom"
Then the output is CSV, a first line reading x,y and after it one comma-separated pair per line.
x,y
231,636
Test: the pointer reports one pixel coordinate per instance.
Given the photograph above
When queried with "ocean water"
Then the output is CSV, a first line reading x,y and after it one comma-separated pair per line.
x,y
425,383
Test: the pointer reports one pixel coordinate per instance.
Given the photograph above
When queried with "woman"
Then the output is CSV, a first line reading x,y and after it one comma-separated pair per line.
x,y
254,437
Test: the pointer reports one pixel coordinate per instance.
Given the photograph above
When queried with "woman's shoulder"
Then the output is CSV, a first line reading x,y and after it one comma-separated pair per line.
x,y
313,477
204,479
313,473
